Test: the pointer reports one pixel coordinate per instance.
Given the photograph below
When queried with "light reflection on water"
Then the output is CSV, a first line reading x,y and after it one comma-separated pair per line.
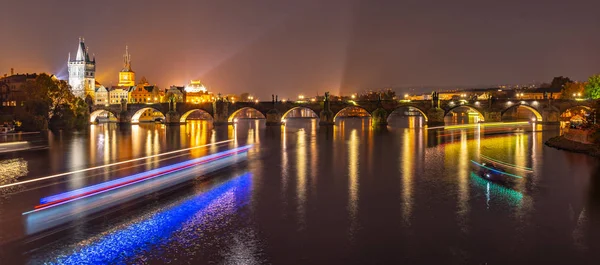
x,y
343,191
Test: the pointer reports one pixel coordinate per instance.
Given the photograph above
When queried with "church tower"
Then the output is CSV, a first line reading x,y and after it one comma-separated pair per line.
x,y
126,76
82,72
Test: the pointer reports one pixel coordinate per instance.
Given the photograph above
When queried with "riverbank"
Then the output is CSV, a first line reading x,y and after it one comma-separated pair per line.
x,y
562,143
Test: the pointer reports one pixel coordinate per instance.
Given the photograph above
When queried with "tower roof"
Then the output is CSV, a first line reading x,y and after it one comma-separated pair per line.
x,y
82,52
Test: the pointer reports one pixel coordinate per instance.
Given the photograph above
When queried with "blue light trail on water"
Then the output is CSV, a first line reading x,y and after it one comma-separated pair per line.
x,y
155,172
118,246
497,171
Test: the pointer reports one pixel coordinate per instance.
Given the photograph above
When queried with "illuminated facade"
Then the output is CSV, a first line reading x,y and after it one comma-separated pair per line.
x,y
126,75
82,72
116,94
102,96
146,93
196,93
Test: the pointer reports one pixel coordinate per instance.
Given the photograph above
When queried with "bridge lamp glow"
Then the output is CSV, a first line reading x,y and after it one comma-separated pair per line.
x,y
283,100
533,119
405,95
301,97
535,103
353,96
523,102
235,120
313,99
509,103
477,103
256,101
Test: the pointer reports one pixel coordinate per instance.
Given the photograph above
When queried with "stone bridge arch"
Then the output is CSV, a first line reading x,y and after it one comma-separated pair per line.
x,y
336,115
95,113
186,114
475,108
231,117
135,117
408,107
566,114
539,117
287,112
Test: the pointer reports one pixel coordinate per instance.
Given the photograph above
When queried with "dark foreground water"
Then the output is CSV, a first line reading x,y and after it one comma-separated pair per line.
x,y
313,195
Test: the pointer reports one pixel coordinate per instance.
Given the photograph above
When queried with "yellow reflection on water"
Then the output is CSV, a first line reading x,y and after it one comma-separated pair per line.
x,y
301,176
463,178
284,160
353,165
314,154
12,169
407,161
199,136
136,134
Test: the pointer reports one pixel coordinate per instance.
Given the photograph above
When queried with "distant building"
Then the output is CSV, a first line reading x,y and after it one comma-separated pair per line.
x,y
82,72
196,93
539,93
11,91
177,91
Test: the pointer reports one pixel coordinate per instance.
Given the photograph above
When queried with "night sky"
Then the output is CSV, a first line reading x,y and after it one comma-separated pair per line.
x,y
308,46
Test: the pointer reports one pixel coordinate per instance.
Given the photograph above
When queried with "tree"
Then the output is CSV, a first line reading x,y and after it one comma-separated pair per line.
x,y
51,104
573,90
559,82
592,88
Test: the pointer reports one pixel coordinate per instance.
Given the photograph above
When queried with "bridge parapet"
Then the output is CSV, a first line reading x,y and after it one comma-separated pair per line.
x,y
223,112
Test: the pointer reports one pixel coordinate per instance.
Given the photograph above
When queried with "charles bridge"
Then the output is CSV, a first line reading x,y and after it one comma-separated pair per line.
x,y
433,111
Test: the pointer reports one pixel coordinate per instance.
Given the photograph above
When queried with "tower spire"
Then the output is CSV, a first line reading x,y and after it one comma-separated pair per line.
x,y
127,60
81,51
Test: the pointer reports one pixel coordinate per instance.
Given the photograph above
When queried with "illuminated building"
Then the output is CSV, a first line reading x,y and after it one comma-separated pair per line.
x,y
196,92
146,93
82,72
117,93
126,75
11,92
102,95
176,91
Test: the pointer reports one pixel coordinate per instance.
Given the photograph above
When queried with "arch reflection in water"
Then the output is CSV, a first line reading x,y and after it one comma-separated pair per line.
x,y
159,228
463,114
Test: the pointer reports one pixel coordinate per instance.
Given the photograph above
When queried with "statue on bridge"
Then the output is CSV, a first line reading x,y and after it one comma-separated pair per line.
x,y
327,96
435,99
172,103
123,105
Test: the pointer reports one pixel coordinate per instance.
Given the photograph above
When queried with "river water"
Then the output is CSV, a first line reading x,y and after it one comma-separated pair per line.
x,y
346,194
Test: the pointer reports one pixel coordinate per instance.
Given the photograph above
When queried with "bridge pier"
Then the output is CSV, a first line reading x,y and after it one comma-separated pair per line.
x,y
435,117
326,118
379,117
492,116
172,118
273,117
221,113
550,116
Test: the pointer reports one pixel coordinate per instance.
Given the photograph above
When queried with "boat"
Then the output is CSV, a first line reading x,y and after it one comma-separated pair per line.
x,y
519,130
6,129
493,173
